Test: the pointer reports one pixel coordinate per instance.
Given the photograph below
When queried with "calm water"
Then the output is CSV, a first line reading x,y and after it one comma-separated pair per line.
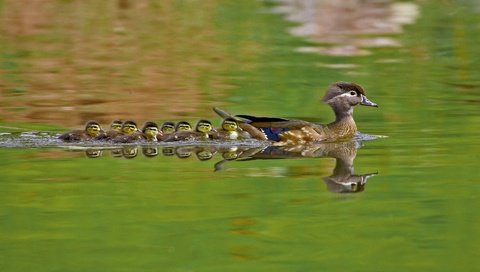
x,y
407,202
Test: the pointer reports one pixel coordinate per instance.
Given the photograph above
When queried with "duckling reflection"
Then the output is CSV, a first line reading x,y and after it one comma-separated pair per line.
x,y
205,153
168,151
342,180
129,152
234,153
117,152
150,151
184,152
93,153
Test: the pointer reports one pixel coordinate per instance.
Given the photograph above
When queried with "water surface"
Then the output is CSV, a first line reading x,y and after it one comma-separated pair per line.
x,y
167,208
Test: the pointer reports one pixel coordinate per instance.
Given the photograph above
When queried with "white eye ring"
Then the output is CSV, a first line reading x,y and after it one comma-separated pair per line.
x,y
353,93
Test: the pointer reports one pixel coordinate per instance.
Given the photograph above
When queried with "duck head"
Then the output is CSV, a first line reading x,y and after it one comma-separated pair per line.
x,y
203,126
183,126
129,127
229,124
167,128
116,125
92,128
150,129
343,96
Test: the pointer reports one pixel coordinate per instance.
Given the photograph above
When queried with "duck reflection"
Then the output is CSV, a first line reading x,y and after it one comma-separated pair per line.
x,y
150,151
93,153
342,180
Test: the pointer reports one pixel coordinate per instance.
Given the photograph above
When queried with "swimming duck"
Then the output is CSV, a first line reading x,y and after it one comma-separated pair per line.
x,y
342,97
202,131
149,132
230,131
129,127
114,131
91,131
166,129
183,126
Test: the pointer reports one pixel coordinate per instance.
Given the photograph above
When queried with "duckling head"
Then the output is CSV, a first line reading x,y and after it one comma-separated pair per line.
x,y
183,126
229,124
150,129
167,128
116,125
203,126
129,127
93,128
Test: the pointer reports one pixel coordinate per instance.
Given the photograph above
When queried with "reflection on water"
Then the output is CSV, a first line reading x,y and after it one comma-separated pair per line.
x,y
342,179
349,27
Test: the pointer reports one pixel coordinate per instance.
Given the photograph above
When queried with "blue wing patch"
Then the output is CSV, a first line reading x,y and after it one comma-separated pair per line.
x,y
272,133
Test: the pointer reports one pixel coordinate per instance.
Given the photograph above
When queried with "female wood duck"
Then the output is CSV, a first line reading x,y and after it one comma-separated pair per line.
x,y
91,131
202,131
149,132
341,96
166,129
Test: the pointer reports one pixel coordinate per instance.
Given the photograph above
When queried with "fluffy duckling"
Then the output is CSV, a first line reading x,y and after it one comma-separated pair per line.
x,y
166,129
202,131
230,131
149,132
91,131
114,131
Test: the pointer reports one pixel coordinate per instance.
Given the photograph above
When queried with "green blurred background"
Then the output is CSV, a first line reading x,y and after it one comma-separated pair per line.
x,y
63,62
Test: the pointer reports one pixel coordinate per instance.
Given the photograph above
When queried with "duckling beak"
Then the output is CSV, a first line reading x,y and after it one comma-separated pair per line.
x,y
366,102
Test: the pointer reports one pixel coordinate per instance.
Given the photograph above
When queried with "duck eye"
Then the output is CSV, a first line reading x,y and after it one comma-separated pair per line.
x,y
353,93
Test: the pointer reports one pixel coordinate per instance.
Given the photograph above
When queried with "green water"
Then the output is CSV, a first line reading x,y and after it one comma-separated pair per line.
x,y
63,211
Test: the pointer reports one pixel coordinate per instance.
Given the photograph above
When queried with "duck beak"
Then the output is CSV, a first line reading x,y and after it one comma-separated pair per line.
x,y
366,102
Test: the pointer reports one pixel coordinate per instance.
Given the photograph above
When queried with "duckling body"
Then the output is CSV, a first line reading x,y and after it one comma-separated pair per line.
x,y
91,131
340,96
202,131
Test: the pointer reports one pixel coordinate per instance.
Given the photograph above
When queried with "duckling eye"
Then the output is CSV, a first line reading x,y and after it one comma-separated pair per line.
x,y
353,93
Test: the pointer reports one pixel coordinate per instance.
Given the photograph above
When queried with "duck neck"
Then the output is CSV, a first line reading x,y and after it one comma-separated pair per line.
x,y
344,125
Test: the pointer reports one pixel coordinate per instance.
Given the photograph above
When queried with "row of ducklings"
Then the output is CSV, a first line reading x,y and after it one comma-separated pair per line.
x,y
127,132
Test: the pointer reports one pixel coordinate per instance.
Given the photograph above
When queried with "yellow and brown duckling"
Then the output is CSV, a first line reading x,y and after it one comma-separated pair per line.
x,y
230,131
183,126
202,131
114,131
129,127
166,129
342,97
132,134
91,131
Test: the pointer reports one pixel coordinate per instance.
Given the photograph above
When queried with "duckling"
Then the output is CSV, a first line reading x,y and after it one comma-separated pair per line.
x,y
183,126
91,131
230,131
202,131
114,131
129,127
166,129
342,97
149,132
